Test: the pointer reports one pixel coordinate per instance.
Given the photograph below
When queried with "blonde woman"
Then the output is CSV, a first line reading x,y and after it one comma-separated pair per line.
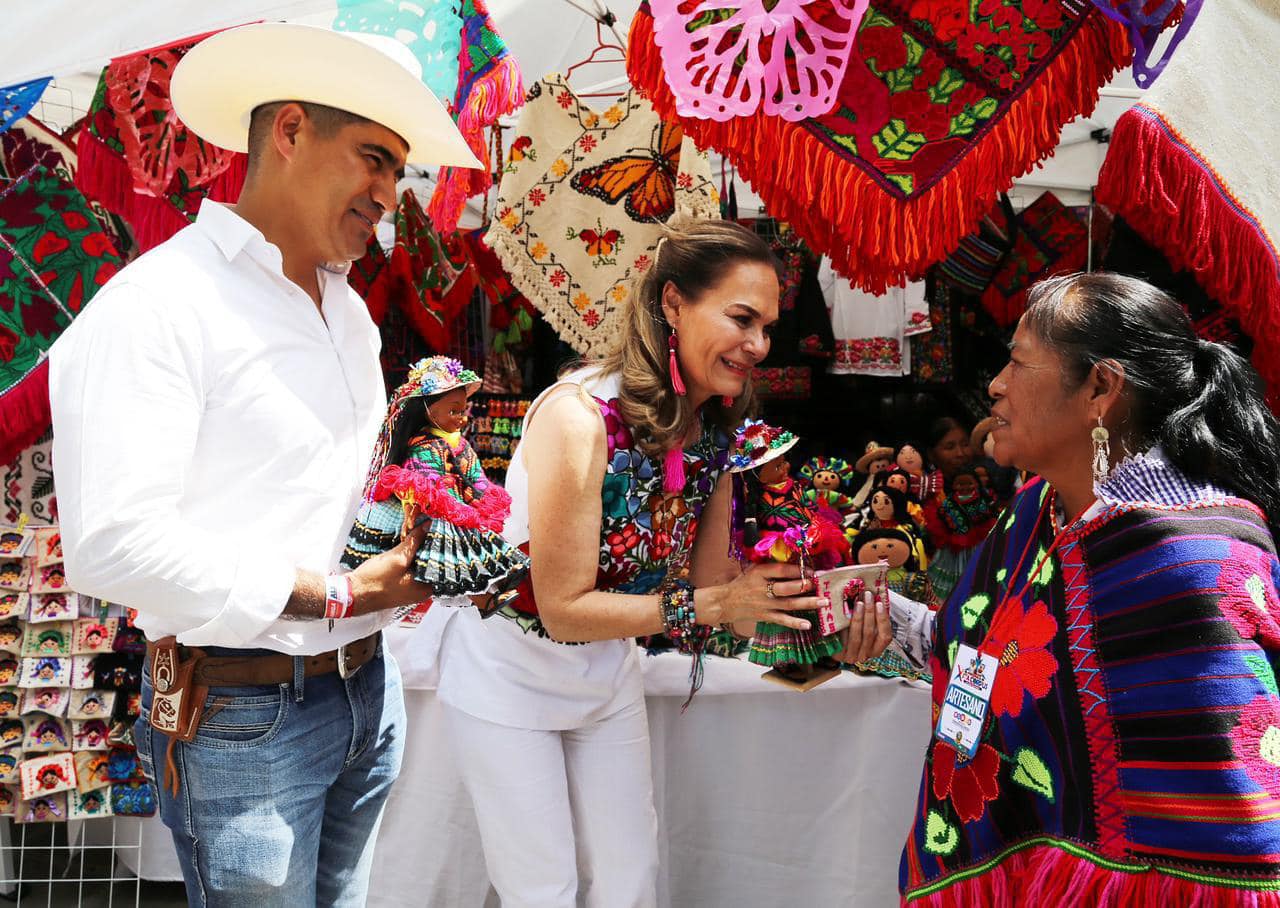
x,y
619,489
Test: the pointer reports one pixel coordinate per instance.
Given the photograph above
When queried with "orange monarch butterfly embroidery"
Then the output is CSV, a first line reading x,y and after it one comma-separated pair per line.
x,y
600,243
645,179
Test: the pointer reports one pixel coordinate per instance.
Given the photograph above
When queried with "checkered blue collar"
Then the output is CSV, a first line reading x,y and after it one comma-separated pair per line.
x,y
1150,478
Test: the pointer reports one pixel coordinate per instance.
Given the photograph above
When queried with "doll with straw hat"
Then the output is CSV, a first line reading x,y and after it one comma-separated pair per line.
x,y
423,468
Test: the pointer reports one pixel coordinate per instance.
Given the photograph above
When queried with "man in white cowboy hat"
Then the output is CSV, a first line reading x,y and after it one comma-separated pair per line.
x,y
215,410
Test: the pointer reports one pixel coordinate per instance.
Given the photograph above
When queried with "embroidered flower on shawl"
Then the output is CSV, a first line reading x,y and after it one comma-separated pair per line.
x,y
614,494
616,432
1021,639
667,511
623,541
969,784
1257,742
1249,597
643,582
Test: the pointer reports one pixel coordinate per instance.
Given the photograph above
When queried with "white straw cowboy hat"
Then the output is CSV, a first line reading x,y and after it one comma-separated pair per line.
x,y
219,82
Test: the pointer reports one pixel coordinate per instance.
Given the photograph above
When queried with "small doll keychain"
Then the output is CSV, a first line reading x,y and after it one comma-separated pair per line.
x,y
423,468
771,522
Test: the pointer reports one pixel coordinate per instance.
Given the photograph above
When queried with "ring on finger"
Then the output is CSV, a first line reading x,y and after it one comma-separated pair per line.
x,y
768,590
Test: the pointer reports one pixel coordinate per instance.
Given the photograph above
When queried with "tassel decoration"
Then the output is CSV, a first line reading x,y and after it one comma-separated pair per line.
x,y
673,471
677,380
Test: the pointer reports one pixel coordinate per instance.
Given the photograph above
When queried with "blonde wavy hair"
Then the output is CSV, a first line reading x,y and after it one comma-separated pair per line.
x,y
694,255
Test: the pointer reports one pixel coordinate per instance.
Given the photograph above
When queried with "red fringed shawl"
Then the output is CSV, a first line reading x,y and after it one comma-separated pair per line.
x,y
943,105
1193,169
137,158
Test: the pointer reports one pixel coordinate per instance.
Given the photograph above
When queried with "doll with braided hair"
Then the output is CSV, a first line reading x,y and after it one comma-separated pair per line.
x,y
423,468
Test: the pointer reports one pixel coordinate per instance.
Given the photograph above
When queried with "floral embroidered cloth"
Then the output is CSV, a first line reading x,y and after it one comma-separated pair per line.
x,y
644,531
872,331
1048,239
26,484
429,277
931,353
941,107
54,256
138,159
1188,170
1130,755
580,204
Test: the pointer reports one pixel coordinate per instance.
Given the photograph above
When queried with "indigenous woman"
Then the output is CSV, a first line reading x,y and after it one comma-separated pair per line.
x,y
949,452
958,523
1119,625
544,702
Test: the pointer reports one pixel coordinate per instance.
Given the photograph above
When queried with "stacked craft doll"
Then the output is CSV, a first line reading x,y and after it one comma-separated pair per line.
x,y
828,478
423,468
771,522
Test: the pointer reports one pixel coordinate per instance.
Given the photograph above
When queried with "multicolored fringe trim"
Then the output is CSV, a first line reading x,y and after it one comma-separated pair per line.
x,y
1049,871
431,496
1175,200
489,86
776,644
873,237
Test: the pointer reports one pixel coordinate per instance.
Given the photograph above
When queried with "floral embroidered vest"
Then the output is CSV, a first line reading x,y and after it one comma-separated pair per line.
x,y
644,532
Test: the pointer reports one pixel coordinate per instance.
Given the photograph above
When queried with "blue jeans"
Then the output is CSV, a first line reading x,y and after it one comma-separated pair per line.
x,y
281,791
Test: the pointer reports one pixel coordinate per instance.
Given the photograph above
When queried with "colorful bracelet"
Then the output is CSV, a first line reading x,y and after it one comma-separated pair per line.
x,y
675,598
338,600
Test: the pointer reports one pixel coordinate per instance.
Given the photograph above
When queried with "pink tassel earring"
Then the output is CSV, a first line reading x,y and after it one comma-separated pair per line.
x,y
677,382
673,471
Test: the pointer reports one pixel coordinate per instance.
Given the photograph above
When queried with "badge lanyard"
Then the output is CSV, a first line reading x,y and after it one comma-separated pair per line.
x,y
967,700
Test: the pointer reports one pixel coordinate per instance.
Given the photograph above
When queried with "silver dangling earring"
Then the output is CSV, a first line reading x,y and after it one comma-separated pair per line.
x,y
1101,453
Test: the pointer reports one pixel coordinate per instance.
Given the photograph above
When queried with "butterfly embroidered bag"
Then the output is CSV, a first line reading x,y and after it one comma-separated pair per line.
x,y
581,201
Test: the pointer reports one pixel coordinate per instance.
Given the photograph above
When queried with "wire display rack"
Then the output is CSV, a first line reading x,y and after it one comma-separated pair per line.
x,y
78,862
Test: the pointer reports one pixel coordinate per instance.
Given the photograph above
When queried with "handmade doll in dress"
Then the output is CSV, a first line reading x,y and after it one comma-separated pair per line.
x,y
900,479
958,524
876,459
897,547
888,508
423,468
893,546
910,461
771,522
828,477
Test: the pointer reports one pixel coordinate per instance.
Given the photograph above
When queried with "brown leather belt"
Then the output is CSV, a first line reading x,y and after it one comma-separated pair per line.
x,y
260,669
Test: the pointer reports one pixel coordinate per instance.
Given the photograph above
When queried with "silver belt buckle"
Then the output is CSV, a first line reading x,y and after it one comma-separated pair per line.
x,y
343,672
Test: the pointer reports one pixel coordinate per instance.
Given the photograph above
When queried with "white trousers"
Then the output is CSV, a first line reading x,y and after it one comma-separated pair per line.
x,y
563,811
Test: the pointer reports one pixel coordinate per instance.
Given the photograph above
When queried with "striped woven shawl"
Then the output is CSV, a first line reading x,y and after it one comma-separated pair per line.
x,y
1133,751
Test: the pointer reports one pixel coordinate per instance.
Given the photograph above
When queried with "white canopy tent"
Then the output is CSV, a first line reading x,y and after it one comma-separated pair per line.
x,y
546,36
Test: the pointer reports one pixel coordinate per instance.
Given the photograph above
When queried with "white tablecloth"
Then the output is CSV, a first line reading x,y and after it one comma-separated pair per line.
x,y
765,796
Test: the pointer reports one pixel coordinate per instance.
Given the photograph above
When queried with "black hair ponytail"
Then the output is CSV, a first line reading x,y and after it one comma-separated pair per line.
x,y
1199,400
1225,432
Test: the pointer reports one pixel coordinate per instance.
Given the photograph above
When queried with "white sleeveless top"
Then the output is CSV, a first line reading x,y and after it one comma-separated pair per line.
x,y
495,670
504,669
